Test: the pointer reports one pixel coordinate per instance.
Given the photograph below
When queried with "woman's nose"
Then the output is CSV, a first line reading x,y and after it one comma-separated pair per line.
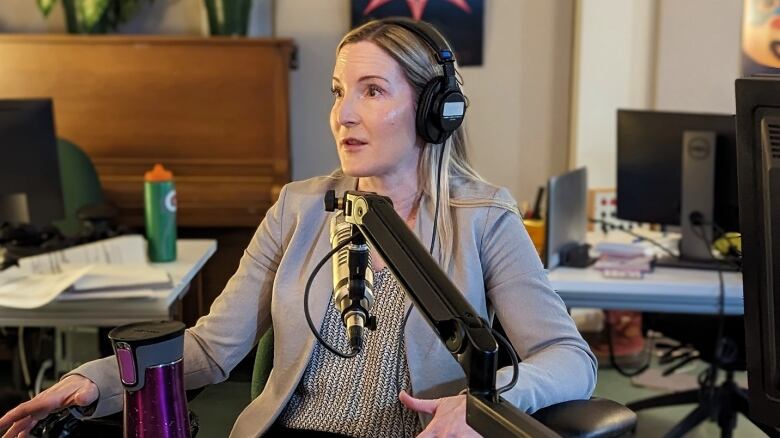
x,y
347,112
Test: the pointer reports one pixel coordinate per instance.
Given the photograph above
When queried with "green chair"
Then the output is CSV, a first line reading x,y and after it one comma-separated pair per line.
x,y
80,185
264,361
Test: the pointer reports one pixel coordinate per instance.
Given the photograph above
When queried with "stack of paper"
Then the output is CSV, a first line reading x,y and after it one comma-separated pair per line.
x,y
111,268
623,260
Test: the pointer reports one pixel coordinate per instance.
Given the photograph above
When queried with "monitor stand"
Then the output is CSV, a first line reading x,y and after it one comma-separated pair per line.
x,y
696,196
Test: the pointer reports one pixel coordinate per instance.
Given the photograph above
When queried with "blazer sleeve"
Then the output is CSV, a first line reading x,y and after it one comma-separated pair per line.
x,y
557,364
219,340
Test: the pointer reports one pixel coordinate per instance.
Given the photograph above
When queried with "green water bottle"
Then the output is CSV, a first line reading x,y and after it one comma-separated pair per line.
x,y
160,214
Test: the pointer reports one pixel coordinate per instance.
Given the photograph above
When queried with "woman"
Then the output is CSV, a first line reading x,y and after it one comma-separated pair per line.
x,y
380,71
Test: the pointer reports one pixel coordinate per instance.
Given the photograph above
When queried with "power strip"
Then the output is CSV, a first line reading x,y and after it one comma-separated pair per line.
x,y
604,208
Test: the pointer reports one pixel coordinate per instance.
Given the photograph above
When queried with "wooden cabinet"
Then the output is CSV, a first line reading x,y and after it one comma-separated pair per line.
x,y
214,110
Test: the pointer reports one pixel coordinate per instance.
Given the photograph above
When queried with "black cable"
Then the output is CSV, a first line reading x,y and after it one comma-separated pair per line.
x,y
709,377
308,290
515,361
436,209
638,236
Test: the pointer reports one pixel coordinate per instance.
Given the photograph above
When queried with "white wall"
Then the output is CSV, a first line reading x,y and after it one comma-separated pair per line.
x,y
614,62
518,120
698,55
316,27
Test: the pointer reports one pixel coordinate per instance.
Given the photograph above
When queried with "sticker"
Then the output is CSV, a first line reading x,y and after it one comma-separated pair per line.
x,y
170,201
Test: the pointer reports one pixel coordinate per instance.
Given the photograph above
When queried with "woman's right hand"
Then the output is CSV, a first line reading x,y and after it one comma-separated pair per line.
x,y
73,390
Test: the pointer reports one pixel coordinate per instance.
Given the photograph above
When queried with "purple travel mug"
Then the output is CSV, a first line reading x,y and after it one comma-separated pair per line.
x,y
150,367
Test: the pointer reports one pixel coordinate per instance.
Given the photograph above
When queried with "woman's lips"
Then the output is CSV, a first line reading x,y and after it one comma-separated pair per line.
x,y
352,144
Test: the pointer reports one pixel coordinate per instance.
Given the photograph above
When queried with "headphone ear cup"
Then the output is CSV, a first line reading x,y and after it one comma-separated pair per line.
x,y
427,128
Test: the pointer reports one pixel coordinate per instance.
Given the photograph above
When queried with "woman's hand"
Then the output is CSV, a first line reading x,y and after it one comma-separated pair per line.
x,y
449,415
73,390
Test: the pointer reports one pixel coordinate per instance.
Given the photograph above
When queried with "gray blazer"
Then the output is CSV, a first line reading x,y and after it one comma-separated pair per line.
x,y
493,264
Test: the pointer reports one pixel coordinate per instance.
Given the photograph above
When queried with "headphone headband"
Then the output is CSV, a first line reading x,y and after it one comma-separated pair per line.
x,y
429,34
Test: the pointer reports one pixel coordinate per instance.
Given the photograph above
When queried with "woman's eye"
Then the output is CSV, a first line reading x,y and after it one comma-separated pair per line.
x,y
373,91
336,92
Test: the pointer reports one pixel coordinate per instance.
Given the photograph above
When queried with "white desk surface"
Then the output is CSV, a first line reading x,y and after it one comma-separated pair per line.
x,y
671,290
192,254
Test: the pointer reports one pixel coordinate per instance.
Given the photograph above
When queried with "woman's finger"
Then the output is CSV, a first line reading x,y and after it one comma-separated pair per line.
x,y
23,410
18,427
417,404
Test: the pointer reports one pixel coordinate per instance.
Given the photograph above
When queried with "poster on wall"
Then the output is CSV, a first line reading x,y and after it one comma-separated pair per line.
x,y
761,37
461,21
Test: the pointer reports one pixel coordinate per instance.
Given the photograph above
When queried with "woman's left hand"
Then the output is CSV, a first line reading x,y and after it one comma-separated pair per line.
x,y
449,415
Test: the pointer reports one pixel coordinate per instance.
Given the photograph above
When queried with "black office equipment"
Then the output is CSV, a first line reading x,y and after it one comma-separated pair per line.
x,y
30,186
758,158
673,167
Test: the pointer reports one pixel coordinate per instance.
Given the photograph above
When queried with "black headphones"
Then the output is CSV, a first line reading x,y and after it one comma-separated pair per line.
x,y
441,106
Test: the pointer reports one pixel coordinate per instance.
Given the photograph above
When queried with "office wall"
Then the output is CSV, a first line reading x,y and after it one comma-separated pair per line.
x,y
519,114
657,54
698,55
613,69
518,119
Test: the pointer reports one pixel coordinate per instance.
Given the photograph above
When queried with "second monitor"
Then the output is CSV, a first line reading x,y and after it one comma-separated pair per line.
x,y
679,169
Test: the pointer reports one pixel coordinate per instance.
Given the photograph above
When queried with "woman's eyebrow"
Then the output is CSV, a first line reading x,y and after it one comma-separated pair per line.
x,y
364,78
367,77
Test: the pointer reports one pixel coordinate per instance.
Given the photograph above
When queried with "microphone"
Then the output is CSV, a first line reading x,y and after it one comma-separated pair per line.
x,y
353,281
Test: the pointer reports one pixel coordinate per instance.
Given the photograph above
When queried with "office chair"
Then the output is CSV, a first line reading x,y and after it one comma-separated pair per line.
x,y
722,402
594,418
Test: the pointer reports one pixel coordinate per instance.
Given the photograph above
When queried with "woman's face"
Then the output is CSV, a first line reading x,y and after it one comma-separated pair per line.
x,y
373,118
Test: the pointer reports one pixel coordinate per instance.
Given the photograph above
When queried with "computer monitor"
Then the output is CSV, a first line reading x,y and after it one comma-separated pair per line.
x,y
758,160
30,185
666,171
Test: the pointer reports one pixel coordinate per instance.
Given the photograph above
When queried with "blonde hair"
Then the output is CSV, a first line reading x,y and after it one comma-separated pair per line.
x,y
419,65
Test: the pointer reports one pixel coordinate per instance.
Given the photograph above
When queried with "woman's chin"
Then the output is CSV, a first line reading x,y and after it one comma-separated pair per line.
x,y
357,171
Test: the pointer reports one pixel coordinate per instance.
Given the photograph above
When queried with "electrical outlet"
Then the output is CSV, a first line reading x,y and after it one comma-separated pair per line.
x,y
603,207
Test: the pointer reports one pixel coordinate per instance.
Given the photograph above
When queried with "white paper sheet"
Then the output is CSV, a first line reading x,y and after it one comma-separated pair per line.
x,y
21,289
115,277
122,250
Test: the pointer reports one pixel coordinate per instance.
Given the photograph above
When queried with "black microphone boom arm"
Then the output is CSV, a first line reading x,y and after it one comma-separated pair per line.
x,y
467,336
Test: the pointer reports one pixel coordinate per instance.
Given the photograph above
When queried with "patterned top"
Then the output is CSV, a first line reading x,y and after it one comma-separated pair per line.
x,y
358,396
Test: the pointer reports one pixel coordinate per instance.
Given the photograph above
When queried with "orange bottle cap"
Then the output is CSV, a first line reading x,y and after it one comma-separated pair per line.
x,y
158,173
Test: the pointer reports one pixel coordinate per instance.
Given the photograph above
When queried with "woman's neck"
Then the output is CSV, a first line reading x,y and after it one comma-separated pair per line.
x,y
404,191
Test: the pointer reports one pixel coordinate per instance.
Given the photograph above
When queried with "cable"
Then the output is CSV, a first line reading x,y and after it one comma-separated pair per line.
x,y
638,236
513,357
436,209
708,378
307,291
23,361
48,363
